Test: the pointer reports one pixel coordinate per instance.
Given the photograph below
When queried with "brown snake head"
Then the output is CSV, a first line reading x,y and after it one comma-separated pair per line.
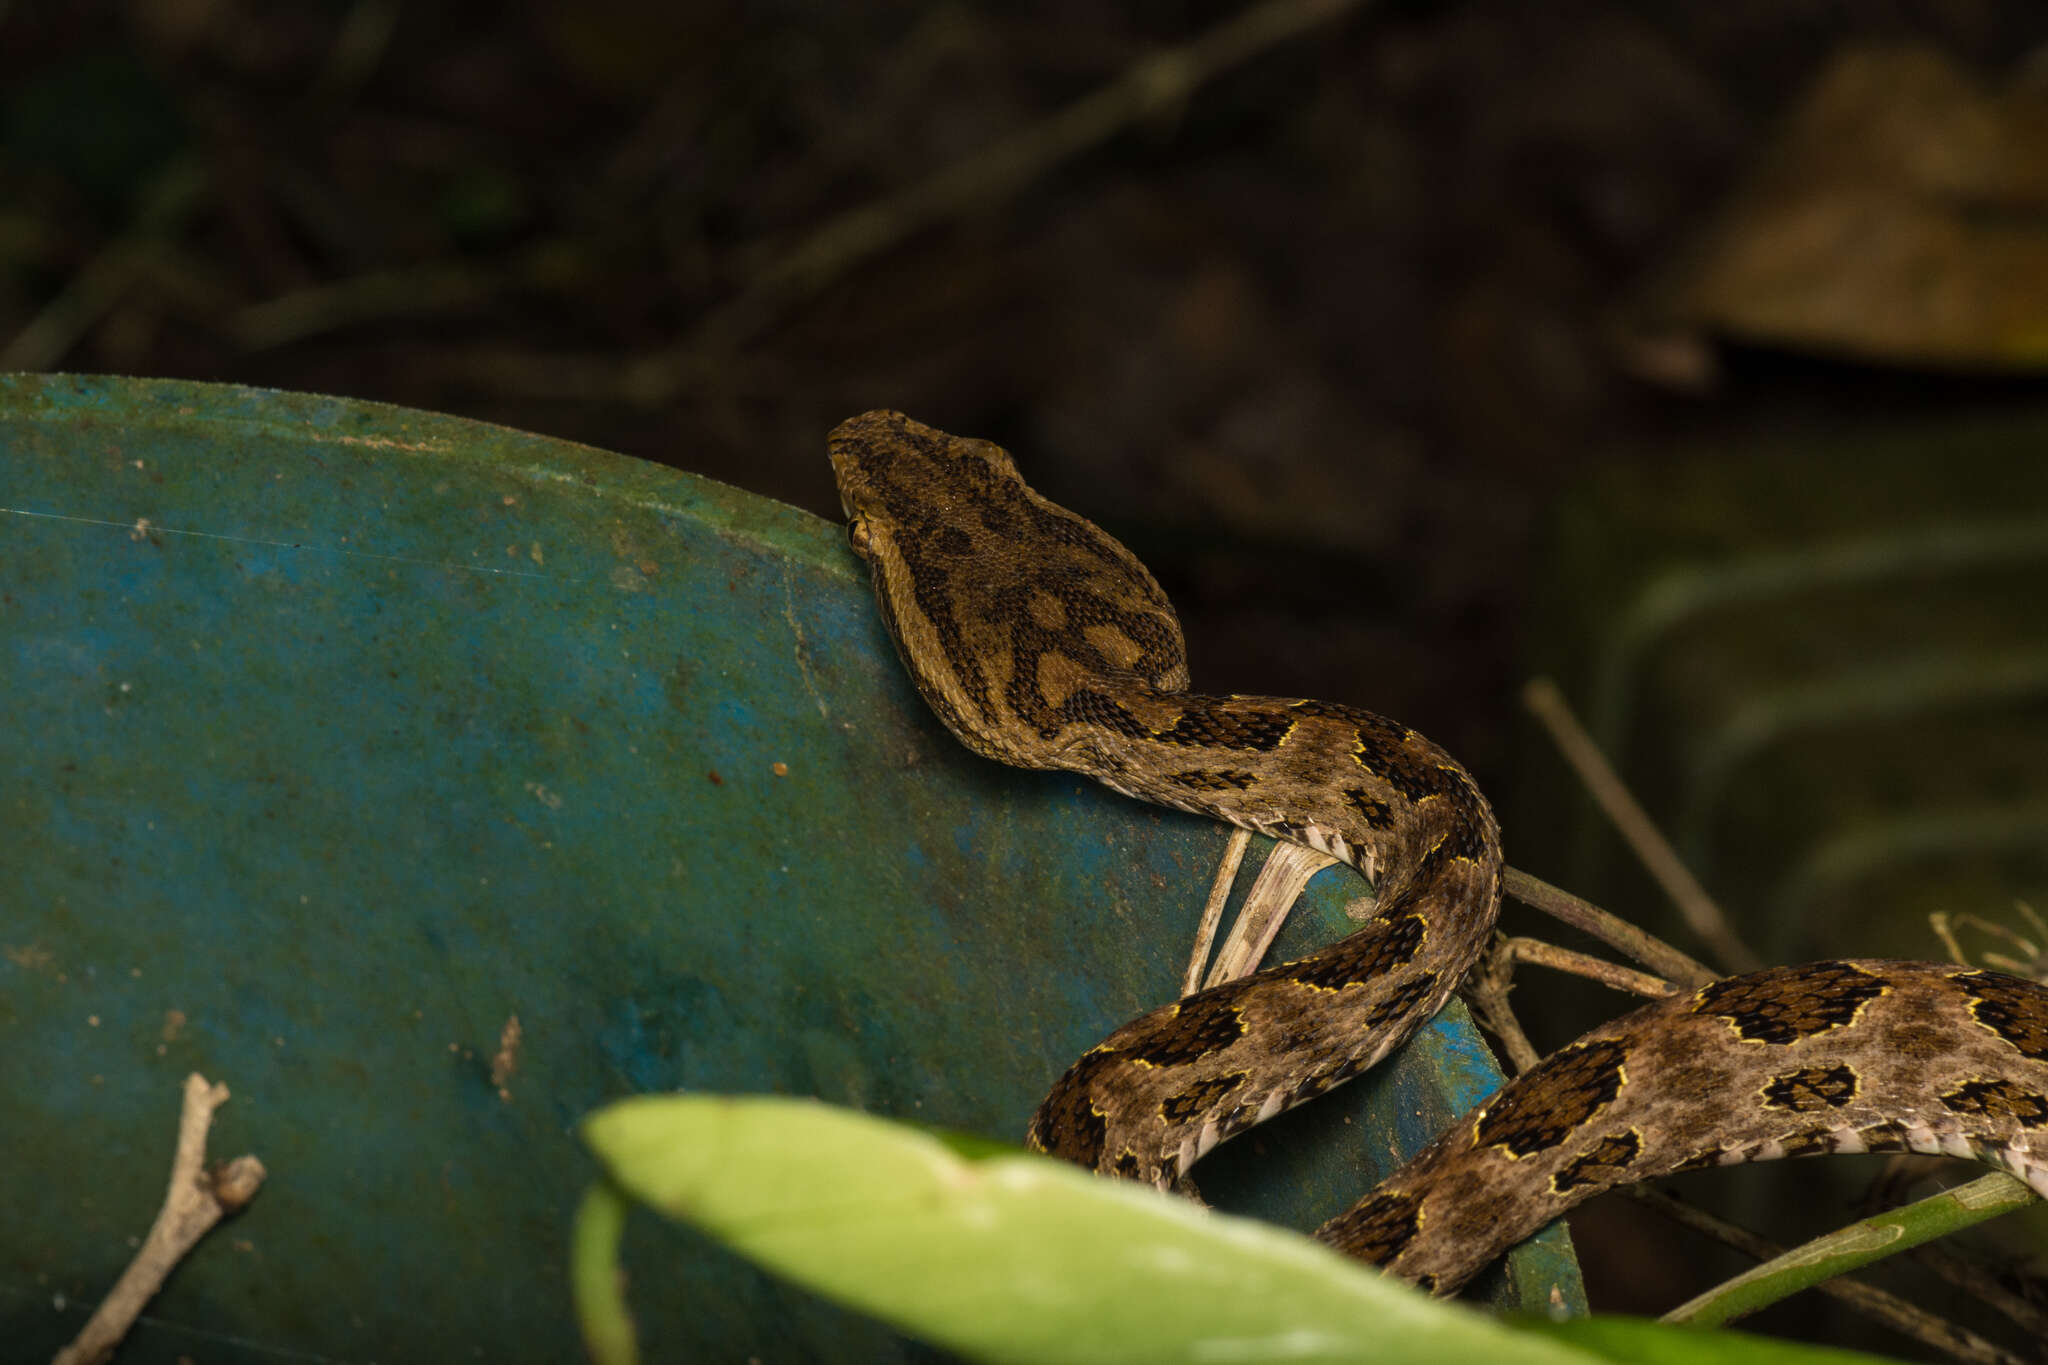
x,y
1003,606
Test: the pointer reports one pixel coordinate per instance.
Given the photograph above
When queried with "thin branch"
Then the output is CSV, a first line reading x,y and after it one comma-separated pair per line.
x,y
1612,930
1969,1276
2032,961
1153,86
378,295
1880,1306
102,283
1612,975
197,1199
1149,88
1486,991
1488,985
1651,848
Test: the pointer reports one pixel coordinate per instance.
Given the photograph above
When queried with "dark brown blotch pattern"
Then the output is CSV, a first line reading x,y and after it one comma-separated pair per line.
x,y
1365,956
1228,723
1377,1229
1784,1004
1376,813
1200,1098
1811,1088
1999,1099
2011,1008
1402,999
1465,839
1606,1162
1191,1030
1067,1124
1381,751
1553,1099
1384,732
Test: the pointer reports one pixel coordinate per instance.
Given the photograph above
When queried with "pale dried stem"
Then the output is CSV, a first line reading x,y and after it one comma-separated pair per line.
x,y
1212,909
1651,848
2032,959
1486,992
1616,932
196,1200
1610,974
1282,878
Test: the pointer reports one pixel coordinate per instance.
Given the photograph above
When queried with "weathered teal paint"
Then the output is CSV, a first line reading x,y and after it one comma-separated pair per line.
x,y
336,734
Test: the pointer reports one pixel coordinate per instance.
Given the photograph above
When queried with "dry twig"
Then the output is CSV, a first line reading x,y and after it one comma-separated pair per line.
x,y
197,1199
1212,908
1154,86
1486,993
1612,975
1547,703
1282,878
1148,88
1617,933
1976,1280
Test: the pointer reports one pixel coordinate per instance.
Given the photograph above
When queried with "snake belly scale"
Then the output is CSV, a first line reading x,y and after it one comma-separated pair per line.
x,y
1040,641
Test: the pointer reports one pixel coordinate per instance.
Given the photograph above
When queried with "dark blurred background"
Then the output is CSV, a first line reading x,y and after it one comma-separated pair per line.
x,y
1418,347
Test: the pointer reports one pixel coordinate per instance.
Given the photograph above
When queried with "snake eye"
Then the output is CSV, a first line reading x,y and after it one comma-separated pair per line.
x,y
857,535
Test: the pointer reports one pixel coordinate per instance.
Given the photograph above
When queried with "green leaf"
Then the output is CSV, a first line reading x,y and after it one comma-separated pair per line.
x,y
1000,1255
1016,1257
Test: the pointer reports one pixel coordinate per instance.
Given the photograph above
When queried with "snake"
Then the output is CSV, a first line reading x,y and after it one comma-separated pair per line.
x,y
1040,641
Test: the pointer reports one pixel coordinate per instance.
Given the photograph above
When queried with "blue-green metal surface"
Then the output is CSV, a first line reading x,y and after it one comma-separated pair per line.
x,y
336,735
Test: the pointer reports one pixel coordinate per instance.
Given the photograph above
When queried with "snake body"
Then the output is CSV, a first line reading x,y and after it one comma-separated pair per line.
x,y
1040,641
1845,1056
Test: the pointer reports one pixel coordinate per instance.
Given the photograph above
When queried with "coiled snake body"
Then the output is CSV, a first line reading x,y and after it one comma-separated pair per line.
x,y
1040,641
